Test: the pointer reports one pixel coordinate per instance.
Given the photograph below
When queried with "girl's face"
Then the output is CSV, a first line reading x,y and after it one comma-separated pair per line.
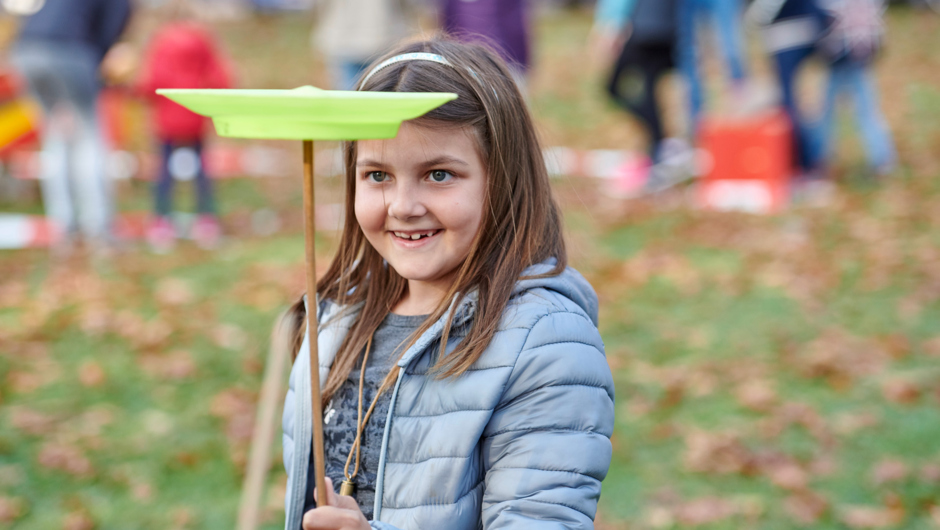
x,y
419,201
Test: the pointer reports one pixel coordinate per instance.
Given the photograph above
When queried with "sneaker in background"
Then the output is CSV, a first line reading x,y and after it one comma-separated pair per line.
x,y
161,236
813,190
629,178
676,164
207,232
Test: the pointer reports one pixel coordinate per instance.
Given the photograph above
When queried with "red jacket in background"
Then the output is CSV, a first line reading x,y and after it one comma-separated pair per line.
x,y
181,55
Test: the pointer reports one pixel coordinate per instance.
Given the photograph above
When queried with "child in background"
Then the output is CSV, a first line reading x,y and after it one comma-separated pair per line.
x,y
725,17
350,33
182,55
59,52
851,44
791,30
450,308
505,25
644,34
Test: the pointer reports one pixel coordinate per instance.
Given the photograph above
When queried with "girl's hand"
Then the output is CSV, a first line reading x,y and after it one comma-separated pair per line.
x,y
340,513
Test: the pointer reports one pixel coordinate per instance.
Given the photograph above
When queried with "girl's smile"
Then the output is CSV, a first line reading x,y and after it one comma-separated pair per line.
x,y
412,236
419,202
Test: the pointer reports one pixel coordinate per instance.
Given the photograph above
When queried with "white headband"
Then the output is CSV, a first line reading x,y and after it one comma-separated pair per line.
x,y
416,56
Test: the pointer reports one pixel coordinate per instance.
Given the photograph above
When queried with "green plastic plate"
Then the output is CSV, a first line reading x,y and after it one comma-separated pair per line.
x,y
307,113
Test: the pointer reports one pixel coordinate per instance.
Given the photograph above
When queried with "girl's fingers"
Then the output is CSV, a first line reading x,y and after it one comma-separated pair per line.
x,y
345,502
340,513
333,499
330,518
331,496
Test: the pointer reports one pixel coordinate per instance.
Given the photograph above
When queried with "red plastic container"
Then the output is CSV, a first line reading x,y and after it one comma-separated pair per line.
x,y
750,162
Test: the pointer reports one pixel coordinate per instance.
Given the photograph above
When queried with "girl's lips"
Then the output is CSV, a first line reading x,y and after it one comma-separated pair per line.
x,y
413,238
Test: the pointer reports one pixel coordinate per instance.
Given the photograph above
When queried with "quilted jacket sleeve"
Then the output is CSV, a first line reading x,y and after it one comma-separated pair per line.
x,y
288,444
547,447
287,422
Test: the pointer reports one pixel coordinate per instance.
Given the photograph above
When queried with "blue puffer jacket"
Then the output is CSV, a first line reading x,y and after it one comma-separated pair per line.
x,y
521,440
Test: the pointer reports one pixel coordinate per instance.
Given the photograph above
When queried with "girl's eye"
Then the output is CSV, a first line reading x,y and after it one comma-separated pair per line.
x,y
377,176
439,175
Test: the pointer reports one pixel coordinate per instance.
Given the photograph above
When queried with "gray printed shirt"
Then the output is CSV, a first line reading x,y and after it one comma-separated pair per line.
x,y
339,419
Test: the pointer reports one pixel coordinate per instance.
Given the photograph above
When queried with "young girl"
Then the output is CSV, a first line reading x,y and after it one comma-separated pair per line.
x,y
450,326
182,54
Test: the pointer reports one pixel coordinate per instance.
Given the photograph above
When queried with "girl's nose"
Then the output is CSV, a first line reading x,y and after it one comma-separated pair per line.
x,y
406,203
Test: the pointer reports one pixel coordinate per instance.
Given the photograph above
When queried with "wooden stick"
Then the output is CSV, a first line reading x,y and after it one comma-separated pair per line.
x,y
249,510
310,229
259,459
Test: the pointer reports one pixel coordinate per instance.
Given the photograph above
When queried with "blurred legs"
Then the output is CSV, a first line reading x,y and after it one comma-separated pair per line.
x,y
54,170
633,84
806,141
76,189
92,185
855,80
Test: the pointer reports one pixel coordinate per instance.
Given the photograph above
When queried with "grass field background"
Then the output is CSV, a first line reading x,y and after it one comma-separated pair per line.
x,y
772,372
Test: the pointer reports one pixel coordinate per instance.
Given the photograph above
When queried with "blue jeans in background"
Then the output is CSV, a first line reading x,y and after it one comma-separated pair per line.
x,y
187,157
854,79
725,19
807,142
76,190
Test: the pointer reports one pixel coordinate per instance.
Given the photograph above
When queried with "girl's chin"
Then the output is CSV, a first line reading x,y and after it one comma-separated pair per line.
x,y
424,275
419,276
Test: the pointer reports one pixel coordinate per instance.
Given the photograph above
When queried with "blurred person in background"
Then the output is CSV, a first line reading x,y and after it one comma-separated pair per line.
x,y
182,54
350,33
501,24
644,32
58,51
791,30
851,44
725,18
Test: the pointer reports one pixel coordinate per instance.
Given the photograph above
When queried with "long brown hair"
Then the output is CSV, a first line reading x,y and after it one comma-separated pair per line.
x,y
521,224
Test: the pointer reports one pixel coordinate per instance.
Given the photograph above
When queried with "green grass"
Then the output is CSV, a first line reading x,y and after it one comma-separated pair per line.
x,y
144,372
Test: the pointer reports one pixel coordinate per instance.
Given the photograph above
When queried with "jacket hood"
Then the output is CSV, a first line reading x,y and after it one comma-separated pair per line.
x,y
569,284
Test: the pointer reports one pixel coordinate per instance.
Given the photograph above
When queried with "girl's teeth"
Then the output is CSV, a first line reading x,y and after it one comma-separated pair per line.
x,y
414,237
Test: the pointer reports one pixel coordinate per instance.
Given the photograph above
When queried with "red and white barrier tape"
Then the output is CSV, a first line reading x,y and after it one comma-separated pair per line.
x,y
26,231
226,162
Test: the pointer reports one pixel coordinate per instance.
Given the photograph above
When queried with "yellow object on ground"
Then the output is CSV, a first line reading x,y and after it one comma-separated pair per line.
x,y
17,119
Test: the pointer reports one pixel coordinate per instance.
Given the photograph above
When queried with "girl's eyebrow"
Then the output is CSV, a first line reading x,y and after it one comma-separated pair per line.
x,y
437,161
444,160
368,162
